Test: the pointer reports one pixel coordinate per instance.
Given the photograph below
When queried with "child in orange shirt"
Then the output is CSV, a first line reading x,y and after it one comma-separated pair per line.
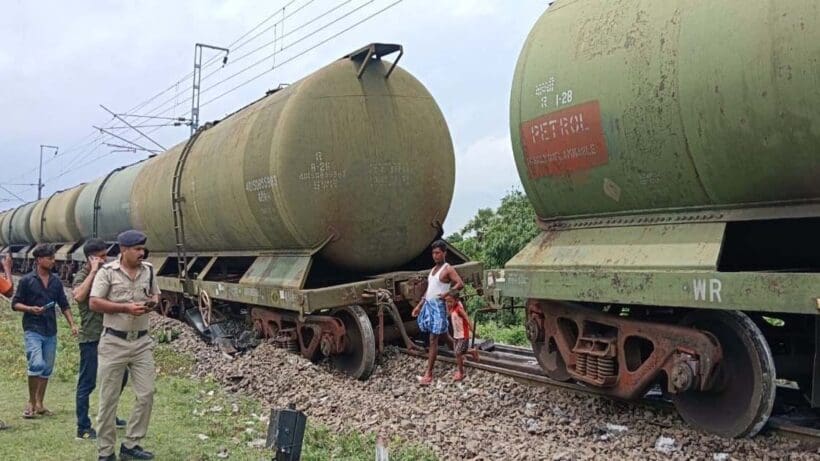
x,y
6,284
461,330
6,289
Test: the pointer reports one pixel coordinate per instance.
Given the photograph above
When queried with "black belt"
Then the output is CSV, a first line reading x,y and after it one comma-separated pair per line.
x,y
128,335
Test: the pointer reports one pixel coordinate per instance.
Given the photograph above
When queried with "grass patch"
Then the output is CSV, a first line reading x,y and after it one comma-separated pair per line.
x,y
514,335
192,419
322,444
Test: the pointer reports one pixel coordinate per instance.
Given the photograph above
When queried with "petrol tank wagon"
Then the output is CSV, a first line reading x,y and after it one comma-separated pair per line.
x,y
333,160
670,150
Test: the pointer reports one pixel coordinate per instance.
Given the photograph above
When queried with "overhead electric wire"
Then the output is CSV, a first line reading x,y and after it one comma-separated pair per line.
x,y
155,125
293,57
100,140
91,149
280,22
82,148
302,53
280,38
93,160
178,119
304,37
213,60
292,44
232,61
208,62
12,194
175,84
59,154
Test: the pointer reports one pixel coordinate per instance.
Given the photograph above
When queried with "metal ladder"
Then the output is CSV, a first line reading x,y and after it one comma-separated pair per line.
x,y
95,231
176,200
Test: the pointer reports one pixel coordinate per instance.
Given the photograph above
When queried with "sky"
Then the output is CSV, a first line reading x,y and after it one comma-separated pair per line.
x,y
61,60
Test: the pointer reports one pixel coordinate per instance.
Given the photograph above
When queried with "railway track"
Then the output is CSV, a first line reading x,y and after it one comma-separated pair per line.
x,y
520,364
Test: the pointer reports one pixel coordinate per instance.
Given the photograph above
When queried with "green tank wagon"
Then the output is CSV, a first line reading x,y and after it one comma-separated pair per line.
x,y
671,151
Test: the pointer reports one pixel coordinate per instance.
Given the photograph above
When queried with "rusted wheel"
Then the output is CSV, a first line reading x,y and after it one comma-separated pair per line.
x,y
205,308
359,356
165,307
546,351
550,360
741,400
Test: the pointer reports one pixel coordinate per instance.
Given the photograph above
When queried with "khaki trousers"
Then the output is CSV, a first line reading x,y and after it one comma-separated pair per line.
x,y
114,356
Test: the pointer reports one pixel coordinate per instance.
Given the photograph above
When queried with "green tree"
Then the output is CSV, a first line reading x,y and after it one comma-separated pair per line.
x,y
494,237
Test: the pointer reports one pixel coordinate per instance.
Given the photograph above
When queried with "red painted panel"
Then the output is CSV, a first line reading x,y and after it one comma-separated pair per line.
x,y
564,141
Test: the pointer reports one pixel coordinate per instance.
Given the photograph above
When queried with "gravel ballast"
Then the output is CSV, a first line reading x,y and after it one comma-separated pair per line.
x,y
487,416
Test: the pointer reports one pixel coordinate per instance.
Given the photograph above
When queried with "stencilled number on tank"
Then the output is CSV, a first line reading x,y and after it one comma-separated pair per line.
x,y
545,89
262,186
322,174
388,174
563,98
542,91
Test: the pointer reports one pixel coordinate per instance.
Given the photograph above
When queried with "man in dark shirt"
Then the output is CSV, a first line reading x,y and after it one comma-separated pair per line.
x,y
91,322
38,295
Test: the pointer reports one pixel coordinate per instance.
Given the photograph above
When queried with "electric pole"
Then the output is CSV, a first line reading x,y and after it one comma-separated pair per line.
x,y
40,178
197,77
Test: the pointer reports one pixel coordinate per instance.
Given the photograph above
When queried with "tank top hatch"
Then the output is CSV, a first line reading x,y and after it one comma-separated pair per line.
x,y
435,287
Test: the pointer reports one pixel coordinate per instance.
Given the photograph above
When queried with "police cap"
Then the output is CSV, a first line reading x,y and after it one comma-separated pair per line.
x,y
131,238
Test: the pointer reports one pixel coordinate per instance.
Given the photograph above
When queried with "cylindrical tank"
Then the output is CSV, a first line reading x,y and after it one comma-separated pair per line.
x,y
4,227
640,105
35,221
21,226
54,221
366,162
115,207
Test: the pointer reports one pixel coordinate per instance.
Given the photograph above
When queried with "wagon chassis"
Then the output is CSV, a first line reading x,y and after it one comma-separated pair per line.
x,y
280,300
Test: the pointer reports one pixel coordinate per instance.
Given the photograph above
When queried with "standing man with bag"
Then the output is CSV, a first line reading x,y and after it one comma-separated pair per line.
x,y
124,291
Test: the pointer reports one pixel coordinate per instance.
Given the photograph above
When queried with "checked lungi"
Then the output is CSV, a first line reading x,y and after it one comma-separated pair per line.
x,y
433,317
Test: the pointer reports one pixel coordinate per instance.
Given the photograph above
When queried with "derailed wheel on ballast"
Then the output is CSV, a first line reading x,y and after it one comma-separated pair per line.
x,y
359,356
550,360
546,350
741,400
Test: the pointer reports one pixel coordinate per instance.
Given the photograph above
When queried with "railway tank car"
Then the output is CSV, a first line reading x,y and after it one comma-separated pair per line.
x,y
306,215
326,159
671,152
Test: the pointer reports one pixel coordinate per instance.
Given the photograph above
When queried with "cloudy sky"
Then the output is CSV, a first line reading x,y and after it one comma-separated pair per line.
x,y
60,60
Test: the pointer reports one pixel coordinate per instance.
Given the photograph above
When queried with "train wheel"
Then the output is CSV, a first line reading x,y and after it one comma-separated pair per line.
x,y
359,357
741,400
205,308
550,360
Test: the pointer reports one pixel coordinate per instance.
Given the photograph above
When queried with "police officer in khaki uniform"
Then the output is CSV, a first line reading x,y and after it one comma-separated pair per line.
x,y
124,291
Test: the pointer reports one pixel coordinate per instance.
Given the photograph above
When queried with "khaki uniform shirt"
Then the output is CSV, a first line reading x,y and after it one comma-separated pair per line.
x,y
114,284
